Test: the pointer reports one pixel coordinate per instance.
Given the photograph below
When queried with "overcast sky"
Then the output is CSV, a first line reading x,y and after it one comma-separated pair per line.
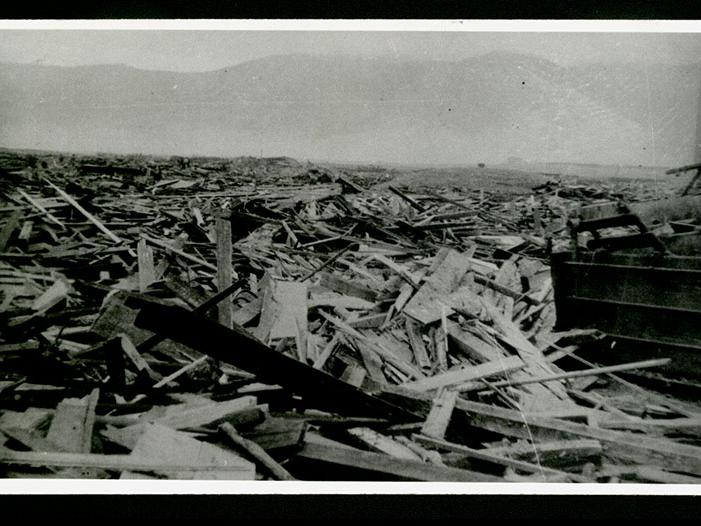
x,y
209,50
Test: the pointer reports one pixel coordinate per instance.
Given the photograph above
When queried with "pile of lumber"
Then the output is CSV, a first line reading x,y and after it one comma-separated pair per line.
x,y
187,321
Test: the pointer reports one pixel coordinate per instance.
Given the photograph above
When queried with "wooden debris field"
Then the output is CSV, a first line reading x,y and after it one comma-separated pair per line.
x,y
242,320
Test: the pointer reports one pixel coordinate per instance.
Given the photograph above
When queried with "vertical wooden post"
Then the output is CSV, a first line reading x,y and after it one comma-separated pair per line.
x,y
147,273
224,269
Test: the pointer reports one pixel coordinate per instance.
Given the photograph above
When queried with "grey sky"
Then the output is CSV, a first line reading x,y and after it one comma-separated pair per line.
x,y
209,50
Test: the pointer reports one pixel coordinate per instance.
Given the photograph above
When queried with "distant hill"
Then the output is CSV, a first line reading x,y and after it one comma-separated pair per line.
x,y
486,108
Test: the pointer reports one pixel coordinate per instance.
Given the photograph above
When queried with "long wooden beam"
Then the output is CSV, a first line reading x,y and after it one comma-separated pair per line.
x,y
238,348
635,447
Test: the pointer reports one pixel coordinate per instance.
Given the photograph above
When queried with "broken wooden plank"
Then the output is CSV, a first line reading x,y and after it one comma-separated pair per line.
x,y
56,293
278,432
371,362
666,426
440,342
29,419
427,304
256,452
559,452
346,302
170,248
36,204
346,287
284,309
382,444
489,457
412,202
239,349
204,415
325,354
402,468
132,353
474,347
397,269
647,474
184,369
95,221
573,374
371,321
458,376
629,446
160,444
402,365
438,418
354,375
122,463
25,232
417,344
72,426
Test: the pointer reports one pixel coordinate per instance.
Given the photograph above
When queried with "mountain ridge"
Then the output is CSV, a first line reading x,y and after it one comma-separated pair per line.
x,y
483,108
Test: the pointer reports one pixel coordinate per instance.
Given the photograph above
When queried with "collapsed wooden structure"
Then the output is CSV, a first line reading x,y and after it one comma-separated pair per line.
x,y
225,319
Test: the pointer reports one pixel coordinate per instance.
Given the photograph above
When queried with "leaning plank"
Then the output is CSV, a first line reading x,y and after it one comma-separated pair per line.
x,y
184,369
36,204
466,374
25,232
52,296
441,411
629,446
412,202
139,362
397,269
390,357
203,415
471,345
284,310
256,452
403,468
236,347
72,425
95,221
169,248
573,374
486,456
427,304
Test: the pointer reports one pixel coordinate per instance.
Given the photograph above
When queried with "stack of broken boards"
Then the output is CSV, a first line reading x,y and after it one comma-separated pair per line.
x,y
365,334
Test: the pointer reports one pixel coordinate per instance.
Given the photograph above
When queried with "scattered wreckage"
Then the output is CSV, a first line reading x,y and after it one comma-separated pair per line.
x,y
218,319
